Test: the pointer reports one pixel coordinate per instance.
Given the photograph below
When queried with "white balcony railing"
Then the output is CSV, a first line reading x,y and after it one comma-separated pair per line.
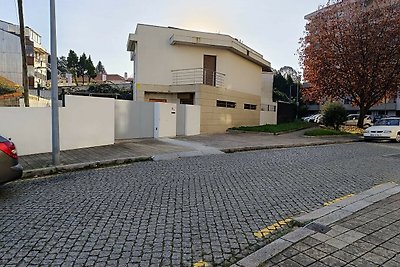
x,y
198,76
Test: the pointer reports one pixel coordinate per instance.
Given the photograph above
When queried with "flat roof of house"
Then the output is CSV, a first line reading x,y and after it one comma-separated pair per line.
x,y
17,26
206,39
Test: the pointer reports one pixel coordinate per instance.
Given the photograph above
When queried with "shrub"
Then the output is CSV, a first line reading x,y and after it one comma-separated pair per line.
x,y
7,86
334,114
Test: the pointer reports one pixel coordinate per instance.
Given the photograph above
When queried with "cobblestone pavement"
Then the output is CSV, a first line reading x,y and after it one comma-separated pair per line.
x,y
370,237
176,213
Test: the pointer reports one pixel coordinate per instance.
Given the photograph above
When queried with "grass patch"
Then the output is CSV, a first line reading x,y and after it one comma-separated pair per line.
x,y
279,128
324,132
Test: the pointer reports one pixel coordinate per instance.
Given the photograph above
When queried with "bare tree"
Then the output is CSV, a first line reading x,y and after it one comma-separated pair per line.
x,y
23,52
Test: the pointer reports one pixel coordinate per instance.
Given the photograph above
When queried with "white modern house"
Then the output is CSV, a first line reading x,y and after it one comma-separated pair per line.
x,y
230,82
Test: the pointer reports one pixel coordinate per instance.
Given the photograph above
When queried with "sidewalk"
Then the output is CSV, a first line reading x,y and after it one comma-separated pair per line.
x,y
363,230
246,141
119,153
165,149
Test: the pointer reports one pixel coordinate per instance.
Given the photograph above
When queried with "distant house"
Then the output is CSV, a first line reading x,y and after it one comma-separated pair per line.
x,y
99,79
11,59
110,78
231,82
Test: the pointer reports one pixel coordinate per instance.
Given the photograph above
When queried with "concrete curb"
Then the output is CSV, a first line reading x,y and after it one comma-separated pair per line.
x,y
325,216
254,148
81,166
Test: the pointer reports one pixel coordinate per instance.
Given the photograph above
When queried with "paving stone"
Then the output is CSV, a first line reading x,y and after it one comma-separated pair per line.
x,y
391,263
375,258
303,259
290,263
321,237
361,262
326,248
384,252
337,243
290,252
300,246
315,253
344,256
350,236
311,241
318,264
332,261
391,246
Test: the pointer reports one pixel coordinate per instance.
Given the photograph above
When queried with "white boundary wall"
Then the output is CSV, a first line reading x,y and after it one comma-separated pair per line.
x,y
95,121
84,122
187,120
268,117
144,119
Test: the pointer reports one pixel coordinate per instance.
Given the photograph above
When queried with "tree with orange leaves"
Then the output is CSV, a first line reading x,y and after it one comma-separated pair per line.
x,y
351,49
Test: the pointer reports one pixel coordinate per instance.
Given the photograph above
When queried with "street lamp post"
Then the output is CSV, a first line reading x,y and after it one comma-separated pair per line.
x,y
55,135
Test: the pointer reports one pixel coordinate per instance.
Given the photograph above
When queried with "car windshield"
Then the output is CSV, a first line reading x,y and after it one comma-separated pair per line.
x,y
388,122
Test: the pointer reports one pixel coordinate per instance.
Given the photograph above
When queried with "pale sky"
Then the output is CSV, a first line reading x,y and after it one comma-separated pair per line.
x,y
100,28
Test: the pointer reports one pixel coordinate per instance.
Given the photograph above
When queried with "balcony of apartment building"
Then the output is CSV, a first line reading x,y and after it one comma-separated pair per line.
x,y
198,76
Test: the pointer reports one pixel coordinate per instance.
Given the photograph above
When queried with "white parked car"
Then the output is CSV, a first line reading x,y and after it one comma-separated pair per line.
x,y
310,118
384,129
352,120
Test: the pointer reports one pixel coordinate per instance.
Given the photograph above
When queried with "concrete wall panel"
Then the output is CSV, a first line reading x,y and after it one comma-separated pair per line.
x,y
188,120
84,122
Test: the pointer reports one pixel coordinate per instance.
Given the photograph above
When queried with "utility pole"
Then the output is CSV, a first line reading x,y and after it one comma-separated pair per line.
x,y
23,52
55,135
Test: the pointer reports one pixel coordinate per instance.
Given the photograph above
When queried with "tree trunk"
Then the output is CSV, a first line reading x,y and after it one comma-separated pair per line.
x,y
360,123
23,52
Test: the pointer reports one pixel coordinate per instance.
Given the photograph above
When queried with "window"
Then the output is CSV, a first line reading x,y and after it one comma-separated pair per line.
x,y
270,108
250,106
226,104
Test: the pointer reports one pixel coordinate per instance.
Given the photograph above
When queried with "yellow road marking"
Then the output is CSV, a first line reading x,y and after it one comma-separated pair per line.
x,y
272,228
337,200
201,264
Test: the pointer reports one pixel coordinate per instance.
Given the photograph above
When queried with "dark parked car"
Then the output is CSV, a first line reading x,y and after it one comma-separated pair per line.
x,y
10,169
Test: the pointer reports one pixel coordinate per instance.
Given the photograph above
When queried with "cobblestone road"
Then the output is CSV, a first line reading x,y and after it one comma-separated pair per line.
x,y
175,213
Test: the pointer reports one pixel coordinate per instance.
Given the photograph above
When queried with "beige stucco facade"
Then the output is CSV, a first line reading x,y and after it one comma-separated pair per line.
x,y
168,62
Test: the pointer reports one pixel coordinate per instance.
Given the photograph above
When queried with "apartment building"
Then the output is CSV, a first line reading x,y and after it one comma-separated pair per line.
x,y
10,53
389,106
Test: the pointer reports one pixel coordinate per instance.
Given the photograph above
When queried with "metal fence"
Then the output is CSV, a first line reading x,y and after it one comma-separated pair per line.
x,y
198,76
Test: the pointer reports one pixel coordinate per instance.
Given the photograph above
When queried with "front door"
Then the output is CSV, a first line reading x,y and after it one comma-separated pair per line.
x,y
209,69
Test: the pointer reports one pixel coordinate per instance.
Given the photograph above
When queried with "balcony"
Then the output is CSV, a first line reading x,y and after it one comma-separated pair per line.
x,y
198,76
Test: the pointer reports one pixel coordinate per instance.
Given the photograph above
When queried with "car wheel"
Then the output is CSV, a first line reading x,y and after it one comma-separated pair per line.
x,y
398,138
